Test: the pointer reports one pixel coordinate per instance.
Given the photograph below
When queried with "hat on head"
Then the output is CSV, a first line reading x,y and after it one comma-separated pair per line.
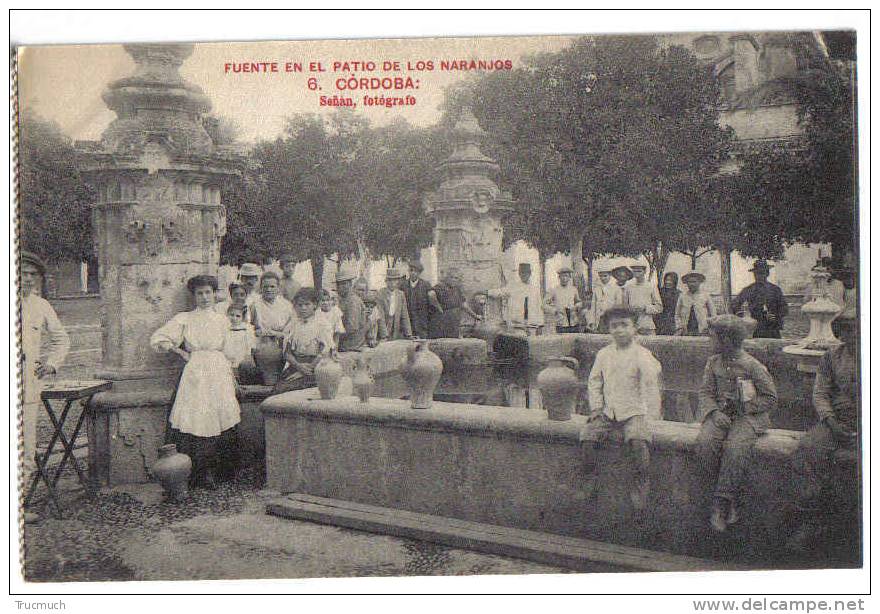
x,y
345,273
394,273
416,265
287,257
565,269
250,269
637,264
604,268
622,271
693,275
32,258
731,325
525,266
371,298
761,266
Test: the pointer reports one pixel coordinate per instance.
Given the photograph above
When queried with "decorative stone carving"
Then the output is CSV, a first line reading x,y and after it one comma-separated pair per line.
x,y
468,208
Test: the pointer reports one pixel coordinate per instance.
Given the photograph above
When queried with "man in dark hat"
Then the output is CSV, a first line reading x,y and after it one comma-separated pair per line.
x,y
37,318
736,398
415,289
765,302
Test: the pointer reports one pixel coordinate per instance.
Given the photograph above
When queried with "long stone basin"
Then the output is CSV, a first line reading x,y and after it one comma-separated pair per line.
x,y
512,466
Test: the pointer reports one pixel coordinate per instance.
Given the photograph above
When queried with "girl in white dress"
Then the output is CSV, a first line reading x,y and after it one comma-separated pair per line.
x,y
205,410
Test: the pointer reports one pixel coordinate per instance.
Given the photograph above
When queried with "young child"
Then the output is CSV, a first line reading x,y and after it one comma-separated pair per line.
x,y
736,398
240,341
332,315
624,393
307,338
377,330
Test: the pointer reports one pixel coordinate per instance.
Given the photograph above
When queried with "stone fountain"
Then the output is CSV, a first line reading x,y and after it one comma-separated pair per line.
x,y
821,310
157,221
468,208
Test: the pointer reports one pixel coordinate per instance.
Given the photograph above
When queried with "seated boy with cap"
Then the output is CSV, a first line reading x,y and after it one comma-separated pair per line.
x,y
736,398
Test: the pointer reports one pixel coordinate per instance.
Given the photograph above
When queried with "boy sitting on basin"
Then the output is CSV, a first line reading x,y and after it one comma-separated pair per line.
x,y
736,398
307,338
624,393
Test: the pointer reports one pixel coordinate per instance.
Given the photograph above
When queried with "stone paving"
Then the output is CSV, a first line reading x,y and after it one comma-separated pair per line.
x,y
133,534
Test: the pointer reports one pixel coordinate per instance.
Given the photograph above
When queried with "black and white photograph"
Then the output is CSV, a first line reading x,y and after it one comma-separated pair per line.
x,y
563,304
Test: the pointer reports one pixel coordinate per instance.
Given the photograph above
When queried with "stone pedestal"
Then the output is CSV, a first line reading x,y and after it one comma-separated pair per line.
x,y
468,208
158,220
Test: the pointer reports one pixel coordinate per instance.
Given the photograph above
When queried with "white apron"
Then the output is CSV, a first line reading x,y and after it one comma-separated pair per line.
x,y
205,404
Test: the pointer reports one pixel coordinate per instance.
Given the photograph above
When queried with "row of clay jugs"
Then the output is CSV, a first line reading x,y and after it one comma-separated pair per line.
x,y
559,387
421,372
328,374
362,380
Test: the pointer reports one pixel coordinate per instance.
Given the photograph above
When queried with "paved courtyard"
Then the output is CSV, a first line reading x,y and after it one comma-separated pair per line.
x,y
132,534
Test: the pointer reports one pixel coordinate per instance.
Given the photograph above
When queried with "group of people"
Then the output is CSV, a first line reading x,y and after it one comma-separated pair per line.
x,y
215,340
737,397
667,310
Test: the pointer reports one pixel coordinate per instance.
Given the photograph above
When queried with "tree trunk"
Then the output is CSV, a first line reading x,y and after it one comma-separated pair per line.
x,y
582,270
365,259
726,286
693,256
317,261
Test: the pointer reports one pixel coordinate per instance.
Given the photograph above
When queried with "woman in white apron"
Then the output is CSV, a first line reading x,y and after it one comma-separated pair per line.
x,y
205,410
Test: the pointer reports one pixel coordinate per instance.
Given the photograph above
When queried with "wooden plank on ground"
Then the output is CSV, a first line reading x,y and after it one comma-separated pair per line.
x,y
547,548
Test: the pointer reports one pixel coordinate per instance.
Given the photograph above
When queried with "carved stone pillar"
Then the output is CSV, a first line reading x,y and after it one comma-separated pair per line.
x,y
468,208
158,220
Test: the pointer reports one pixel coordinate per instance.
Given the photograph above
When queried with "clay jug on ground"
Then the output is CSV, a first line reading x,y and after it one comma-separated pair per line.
x,y
362,380
269,359
172,470
328,374
559,387
421,372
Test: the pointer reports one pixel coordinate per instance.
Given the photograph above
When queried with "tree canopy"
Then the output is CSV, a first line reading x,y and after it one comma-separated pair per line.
x,y
55,214
334,186
610,141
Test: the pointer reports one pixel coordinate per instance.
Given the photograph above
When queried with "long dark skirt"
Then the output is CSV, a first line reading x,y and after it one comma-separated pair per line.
x,y
217,457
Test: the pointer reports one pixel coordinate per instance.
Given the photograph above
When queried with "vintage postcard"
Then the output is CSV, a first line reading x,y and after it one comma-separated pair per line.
x,y
439,306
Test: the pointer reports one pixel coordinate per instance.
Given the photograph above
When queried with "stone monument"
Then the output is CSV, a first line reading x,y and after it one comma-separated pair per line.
x,y
468,208
158,220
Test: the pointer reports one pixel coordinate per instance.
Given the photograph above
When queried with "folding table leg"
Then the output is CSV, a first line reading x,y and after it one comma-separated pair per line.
x,y
68,454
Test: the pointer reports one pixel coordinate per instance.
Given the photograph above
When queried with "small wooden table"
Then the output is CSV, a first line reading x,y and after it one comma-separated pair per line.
x,y
68,391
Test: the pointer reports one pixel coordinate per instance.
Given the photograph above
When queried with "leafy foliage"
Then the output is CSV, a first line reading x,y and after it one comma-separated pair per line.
x,y
55,202
334,186
611,140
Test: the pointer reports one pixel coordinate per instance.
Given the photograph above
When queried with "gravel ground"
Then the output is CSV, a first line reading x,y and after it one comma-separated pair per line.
x,y
225,534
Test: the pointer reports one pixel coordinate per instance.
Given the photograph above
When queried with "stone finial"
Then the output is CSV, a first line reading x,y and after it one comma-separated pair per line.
x,y
156,105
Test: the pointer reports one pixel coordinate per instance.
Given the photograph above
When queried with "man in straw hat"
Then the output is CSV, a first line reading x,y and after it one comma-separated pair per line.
x,y
644,297
249,275
416,291
37,319
392,302
605,295
765,301
564,302
694,307
354,315
736,398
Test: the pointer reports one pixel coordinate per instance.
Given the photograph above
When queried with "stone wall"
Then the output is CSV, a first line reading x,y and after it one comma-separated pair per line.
x,y
683,360
127,428
513,467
